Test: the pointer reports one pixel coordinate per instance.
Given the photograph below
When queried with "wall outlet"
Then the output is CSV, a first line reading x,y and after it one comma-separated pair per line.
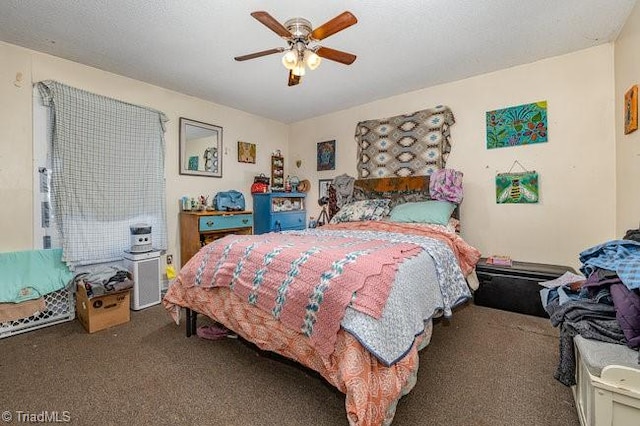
x,y
169,259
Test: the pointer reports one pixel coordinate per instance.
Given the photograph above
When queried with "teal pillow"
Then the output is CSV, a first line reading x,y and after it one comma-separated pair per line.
x,y
432,211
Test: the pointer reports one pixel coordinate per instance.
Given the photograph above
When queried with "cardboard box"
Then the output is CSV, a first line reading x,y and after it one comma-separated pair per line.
x,y
101,312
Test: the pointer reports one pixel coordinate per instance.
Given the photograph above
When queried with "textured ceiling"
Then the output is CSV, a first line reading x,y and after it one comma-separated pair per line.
x,y
188,46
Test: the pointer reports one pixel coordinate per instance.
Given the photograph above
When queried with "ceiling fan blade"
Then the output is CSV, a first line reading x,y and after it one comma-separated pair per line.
x,y
339,23
258,54
271,23
336,55
293,79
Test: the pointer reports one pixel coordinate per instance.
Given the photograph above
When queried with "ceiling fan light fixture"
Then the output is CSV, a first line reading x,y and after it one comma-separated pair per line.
x,y
299,35
311,59
299,69
290,60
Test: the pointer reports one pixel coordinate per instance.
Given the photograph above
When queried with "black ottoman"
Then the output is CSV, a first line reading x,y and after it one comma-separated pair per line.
x,y
515,288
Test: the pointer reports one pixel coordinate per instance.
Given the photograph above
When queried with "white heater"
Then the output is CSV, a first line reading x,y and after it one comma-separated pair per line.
x,y
145,269
140,238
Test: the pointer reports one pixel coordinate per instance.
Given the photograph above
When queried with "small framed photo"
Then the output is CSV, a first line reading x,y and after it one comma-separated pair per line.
x,y
326,154
246,152
631,110
323,187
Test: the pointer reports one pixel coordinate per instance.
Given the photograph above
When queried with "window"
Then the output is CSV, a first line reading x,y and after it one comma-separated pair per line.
x,y
106,173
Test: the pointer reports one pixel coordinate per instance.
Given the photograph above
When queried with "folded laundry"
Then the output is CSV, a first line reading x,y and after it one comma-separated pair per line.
x,y
119,285
103,280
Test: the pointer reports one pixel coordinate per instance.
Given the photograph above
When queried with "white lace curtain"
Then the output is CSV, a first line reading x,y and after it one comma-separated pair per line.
x,y
107,172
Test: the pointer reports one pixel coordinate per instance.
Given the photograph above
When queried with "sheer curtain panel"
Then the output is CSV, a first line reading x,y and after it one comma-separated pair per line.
x,y
107,172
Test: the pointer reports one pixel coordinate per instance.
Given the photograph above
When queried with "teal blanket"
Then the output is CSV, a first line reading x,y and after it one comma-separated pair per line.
x,y
30,274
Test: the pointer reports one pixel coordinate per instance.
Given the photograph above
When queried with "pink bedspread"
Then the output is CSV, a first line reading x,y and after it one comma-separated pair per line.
x,y
304,281
467,255
371,389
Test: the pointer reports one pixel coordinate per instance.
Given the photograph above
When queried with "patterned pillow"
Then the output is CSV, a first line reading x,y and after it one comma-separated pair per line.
x,y
357,211
395,197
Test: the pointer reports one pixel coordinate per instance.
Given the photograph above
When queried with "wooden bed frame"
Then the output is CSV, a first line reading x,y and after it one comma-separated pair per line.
x,y
390,187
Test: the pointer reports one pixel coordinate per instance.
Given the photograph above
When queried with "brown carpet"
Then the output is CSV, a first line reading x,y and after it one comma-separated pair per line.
x,y
483,367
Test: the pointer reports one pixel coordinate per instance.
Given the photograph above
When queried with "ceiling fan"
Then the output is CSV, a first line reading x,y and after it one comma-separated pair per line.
x,y
299,35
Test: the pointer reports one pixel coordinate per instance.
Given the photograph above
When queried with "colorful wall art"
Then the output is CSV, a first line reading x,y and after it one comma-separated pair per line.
x,y
518,125
326,155
517,187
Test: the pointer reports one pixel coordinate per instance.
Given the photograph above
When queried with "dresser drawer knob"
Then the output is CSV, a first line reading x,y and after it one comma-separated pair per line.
x,y
210,223
245,220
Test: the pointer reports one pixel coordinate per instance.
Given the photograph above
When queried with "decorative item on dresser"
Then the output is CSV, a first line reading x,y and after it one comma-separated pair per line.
x,y
279,211
198,228
277,173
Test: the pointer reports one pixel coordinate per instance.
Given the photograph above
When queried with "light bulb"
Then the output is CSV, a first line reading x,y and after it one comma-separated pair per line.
x,y
299,69
312,59
289,60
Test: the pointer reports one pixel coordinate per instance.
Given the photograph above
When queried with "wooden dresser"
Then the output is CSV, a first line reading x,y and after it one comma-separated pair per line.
x,y
202,227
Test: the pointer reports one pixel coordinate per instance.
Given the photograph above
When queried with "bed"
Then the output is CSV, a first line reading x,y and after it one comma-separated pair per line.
x,y
352,300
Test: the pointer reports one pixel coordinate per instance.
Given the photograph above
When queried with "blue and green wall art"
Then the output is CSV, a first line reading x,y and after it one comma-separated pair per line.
x,y
518,125
326,155
517,188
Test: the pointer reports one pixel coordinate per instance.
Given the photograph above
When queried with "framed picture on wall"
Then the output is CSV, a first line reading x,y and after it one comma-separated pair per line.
x,y
326,154
246,152
323,187
631,110
517,125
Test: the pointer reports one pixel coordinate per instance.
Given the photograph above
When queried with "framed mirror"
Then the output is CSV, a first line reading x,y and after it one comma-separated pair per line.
x,y
200,148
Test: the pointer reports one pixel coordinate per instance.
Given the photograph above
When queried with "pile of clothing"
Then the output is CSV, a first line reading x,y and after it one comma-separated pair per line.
x,y
603,306
104,280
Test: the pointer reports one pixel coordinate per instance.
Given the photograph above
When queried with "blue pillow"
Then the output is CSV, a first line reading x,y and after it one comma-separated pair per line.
x,y
432,211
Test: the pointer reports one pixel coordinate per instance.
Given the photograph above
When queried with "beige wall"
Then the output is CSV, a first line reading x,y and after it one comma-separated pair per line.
x,y
16,214
577,166
16,144
627,73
